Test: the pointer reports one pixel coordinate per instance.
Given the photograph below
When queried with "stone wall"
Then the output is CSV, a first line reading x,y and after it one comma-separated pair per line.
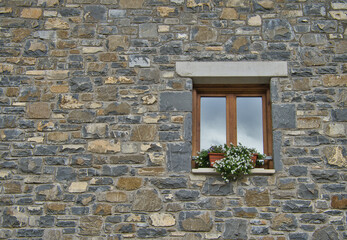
x,y
95,123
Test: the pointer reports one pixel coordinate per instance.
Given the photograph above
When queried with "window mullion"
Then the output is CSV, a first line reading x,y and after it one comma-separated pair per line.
x,y
231,119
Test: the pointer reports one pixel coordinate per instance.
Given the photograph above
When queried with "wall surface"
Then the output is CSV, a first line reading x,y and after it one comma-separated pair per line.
x,y
95,122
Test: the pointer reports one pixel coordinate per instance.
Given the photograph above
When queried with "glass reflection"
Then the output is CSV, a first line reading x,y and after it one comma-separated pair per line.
x,y
212,121
250,122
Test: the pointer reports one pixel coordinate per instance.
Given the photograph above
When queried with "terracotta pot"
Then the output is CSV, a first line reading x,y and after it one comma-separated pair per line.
x,y
214,157
254,159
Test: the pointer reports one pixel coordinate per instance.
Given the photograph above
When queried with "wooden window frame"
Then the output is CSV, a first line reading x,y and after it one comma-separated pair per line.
x,y
231,91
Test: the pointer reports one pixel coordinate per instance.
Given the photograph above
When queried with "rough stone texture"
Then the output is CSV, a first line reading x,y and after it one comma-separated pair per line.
x,y
96,119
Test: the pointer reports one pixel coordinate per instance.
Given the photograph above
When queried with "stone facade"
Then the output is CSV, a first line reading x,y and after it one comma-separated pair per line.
x,y
95,122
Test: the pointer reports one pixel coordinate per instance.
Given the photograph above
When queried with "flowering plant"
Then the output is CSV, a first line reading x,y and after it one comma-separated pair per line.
x,y
237,162
202,159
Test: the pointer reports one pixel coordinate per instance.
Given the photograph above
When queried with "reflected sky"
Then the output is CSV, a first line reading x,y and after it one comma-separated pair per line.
x,y
249,122
213,121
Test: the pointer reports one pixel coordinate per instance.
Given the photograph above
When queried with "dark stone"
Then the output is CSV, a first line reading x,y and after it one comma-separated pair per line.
x,y
259,230
169,183
12,135
334,187
125,228
152,233
169,136
79,210
301,72
30,165
95,13
325,233
284,116
215,186
114,171
187,195
206,203
46,150
175,101
315,9
322,176
276,55
297,206
178,157
81,116
309,160
30,232
277,29
49,192
284,222
223,214
237,44
172,48
82,160
308,191
80,84
26,124
295,152
127,159
313,218
339,115
235,229
69,12
46,221
113,219
195,221
245,212
65,174
298,171
35,48
298,236
188,127
8,121
129,119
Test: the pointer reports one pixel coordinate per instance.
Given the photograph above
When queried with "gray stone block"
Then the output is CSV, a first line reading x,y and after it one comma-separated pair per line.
x,y
283,116
95,13
277,29
152,233
339,115
148,30
169,183
175,101
30,165
298,171
179,157
66,174
114,171
187,195
235,229
308,191
216,186
325,233
297,206
139,61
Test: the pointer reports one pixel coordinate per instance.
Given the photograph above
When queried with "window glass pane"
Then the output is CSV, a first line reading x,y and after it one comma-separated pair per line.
x,y
212,121
250,122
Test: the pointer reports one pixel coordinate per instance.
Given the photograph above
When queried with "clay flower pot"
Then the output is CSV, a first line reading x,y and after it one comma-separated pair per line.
x,y
214,157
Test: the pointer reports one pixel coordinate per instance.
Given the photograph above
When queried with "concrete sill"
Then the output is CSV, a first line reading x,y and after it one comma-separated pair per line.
x,y
258,171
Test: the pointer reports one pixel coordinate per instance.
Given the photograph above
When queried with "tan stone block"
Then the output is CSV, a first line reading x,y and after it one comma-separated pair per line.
x,y
59,53
108,57
229,14
237,3
78,187
59,88
48,3
12,187
20,34
267,4
116,197
339,15
129,183
198,223
68,102
335,156
38,110
57,74
58,136
103,209
205,34
96,67
142,133
308,122
147,200
12,92
254,20
302,84
165,11
4,10
56,23
335,80
338,202
151,171
117,41
36,139
335,130
34,13
257,197
45,125
91,225
56,207
91,50
131,3
103,146
162,220
6,68
217,48
151,119
149,99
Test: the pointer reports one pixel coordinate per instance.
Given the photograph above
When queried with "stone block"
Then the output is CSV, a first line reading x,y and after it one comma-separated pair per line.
x,y
284,222
30,233
315,9
277,29
313,218
78,187
80,116
339,115
143,133
162,220
217,187
66,174
91,225
132,4
116,197
187,195
195,221
80,84
118,108
229,14
114,171
56,23
33,13
283,116
148,30
297,206
257,197
49,192
118,42
178,157
95,13
245,212
169,183
339,201
172,48
129,183
38,110
307,191
147,200
175,101
235,229
325,233
55,208
139,61
313,39
334,156
152,233
127,159
30,165
203,34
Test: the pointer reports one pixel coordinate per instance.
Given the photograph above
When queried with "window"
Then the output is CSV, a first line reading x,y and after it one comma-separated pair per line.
x,y
232,114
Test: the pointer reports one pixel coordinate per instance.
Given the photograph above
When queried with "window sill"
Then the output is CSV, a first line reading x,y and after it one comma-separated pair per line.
x,y
258,171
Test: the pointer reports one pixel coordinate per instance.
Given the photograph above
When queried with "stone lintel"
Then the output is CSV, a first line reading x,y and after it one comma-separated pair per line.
x,y
232,69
